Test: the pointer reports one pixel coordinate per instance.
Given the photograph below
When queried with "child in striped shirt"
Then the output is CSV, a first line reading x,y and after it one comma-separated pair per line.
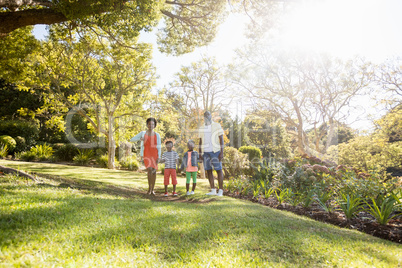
x,y
170,158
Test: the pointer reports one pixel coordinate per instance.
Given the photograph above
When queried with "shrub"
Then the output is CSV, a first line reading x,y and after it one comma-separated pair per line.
x,y
235,162
295,198
254,154
130,162
102,161
307,197
27,129
282,195
66,152
42,152
353,185
21,144
84,156
9,141
100,151
350,205
26,156
382,208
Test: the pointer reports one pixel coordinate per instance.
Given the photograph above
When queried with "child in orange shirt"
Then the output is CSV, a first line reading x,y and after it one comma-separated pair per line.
x,y
190,162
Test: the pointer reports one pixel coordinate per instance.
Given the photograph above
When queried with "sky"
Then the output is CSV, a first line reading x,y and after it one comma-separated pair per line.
x,y
343,28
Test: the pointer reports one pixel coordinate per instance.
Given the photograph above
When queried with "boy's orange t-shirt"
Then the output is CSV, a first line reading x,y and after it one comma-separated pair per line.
x,y
190,168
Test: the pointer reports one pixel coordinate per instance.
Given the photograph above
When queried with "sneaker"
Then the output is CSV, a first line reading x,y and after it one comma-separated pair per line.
x,y
220,192
192,192
212,192
166,194
174,194
188,193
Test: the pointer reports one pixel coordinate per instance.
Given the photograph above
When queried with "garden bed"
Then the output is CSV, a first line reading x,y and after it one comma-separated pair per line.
x,y
363,223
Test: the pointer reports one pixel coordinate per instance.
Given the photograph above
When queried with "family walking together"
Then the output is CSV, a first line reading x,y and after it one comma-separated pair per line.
x,y
210,142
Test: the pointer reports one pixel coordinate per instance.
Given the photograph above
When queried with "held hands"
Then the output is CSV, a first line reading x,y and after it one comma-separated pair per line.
x,y
220,156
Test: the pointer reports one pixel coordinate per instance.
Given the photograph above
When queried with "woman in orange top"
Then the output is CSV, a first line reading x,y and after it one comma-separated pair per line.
x,y
150,151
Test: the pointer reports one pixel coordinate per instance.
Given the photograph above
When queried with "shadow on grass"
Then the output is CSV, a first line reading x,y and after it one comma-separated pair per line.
x,y
97,187
189,230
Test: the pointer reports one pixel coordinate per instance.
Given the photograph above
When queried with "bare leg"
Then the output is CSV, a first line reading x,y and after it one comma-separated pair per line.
x,y
174,188
153,179
149,180
194,184
166,188
187,187
211,179
220,178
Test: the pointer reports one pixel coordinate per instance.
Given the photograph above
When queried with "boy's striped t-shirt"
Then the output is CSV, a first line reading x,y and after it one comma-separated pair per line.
x,y
170,159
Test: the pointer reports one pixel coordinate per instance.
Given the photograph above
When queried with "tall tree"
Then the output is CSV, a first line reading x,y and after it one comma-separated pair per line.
x,y
109,84
334,83
201,87
273,81
305,90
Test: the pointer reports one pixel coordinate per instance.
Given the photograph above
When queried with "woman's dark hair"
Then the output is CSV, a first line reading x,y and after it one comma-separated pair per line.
x,y
151,119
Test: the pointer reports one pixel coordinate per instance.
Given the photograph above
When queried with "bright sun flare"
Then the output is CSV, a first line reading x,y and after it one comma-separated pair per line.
x,y
340,27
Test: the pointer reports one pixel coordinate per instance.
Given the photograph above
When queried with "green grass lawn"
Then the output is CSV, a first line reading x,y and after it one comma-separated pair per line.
x,y
119,177
47,224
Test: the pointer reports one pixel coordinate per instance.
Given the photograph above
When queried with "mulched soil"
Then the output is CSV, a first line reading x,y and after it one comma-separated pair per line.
x,y
364,222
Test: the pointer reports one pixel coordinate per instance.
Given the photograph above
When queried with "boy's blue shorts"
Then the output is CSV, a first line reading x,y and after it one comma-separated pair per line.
x,y
211,160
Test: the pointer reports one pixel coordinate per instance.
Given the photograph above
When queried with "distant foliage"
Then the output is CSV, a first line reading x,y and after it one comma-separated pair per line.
x,y
367,153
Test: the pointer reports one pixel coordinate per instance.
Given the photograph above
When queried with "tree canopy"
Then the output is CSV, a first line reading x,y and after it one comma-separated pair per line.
x,y
187,23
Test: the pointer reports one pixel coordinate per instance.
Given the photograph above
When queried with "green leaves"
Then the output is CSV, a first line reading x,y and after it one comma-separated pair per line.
x,y
3,150
16,51
382,208
189,24
282,195
350,205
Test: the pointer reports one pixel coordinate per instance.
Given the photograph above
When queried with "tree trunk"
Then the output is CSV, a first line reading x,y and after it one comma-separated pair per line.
x,y
202,170
300,141
111,152
330,135
300,133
